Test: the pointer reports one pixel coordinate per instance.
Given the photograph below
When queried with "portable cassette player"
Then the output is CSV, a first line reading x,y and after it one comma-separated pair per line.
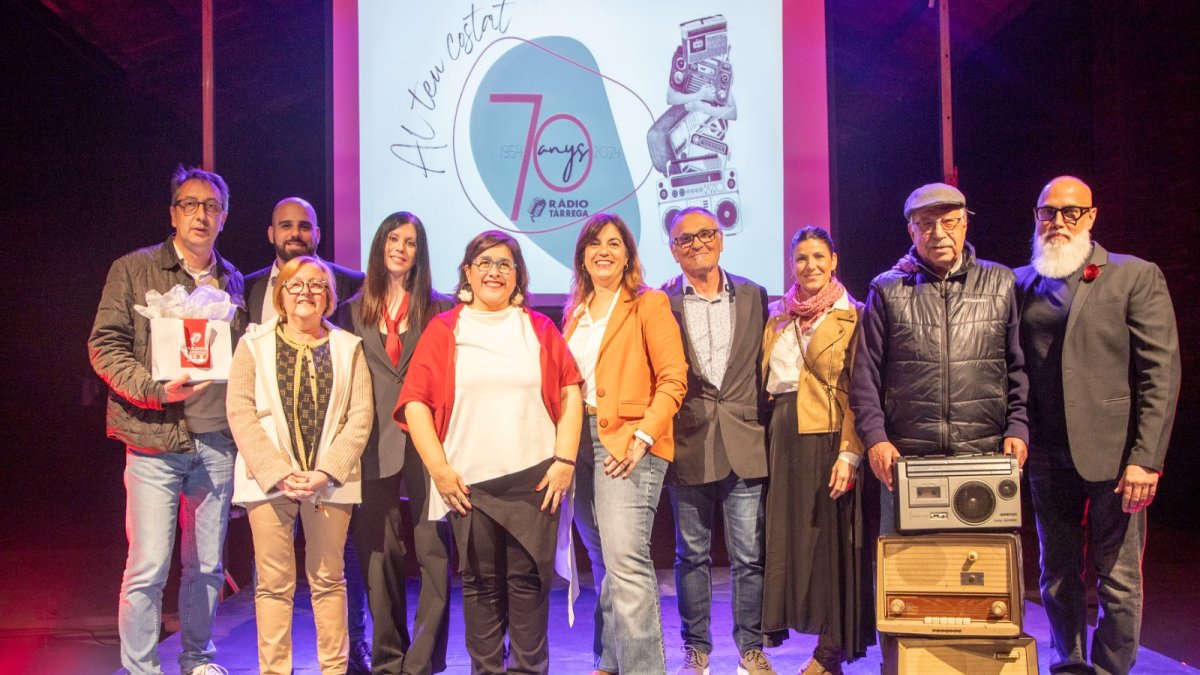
x,y
978,492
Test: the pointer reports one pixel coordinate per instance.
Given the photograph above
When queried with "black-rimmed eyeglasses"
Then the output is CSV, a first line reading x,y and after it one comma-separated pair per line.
x,y
188,205
705,237
1070,214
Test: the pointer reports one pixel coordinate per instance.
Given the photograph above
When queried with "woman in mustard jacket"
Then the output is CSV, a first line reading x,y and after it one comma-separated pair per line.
x,y
813,574
630,353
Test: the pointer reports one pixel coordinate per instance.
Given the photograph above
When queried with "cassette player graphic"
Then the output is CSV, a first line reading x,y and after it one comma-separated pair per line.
x,y
704,181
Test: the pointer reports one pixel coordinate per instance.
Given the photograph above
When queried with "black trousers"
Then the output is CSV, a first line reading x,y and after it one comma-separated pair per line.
x,y
376,529
432,544
506,547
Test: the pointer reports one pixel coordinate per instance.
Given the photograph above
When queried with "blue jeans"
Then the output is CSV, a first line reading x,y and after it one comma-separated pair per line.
x,y
615,518
192,489
745,518
1074,514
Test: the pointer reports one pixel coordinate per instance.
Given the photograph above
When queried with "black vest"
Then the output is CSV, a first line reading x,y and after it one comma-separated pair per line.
x,y
945,376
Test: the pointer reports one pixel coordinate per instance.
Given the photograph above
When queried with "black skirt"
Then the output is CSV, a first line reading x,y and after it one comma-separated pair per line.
x,y
817,571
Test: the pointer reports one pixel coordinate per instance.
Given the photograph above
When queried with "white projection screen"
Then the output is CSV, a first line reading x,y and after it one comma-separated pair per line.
x,y
530,116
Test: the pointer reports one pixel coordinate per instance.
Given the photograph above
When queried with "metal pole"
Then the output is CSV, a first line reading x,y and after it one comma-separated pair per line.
x,y
206,80
949,171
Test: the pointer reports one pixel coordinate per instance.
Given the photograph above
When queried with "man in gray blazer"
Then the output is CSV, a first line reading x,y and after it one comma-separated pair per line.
x,y
720,442
1101,348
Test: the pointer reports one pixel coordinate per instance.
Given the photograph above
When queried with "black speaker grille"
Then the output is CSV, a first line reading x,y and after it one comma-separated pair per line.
x,y
974,502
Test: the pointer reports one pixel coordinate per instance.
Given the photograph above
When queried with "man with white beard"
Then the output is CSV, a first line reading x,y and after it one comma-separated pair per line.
x,y
1102,353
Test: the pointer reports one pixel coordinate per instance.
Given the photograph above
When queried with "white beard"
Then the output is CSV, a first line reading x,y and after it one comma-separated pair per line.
x,y
1059,259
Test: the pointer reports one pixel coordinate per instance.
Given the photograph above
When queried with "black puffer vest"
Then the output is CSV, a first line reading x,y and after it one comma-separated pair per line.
x,y
945,378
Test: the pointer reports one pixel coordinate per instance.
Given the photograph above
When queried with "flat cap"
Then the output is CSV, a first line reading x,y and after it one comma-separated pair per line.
x,y
933,194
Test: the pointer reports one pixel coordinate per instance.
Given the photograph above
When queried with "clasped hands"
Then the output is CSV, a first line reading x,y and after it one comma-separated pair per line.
x,y
301,485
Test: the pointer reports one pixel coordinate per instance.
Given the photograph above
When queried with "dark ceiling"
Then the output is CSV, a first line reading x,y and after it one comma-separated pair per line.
x,y
154,45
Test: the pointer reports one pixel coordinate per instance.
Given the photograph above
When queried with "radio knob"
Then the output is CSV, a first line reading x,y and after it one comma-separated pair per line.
x,y
999,609
972,556
897,607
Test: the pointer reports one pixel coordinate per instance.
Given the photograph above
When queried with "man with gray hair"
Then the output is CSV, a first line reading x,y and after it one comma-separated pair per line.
x,y
720,442
178,448
1099,333
939,369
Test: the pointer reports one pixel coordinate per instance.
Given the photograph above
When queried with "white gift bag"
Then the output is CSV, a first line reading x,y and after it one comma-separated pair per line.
x,y
202,348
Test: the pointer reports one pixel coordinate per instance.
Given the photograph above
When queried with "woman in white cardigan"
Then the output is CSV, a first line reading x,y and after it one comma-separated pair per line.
x,y
300,407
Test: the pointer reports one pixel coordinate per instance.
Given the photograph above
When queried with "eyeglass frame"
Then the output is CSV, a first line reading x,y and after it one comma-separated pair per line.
x,y
485,265
686,240
960,220
1084,210
322,284
212,207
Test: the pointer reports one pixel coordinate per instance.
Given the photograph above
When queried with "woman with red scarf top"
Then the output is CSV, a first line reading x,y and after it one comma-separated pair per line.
x,y
814,570
492,403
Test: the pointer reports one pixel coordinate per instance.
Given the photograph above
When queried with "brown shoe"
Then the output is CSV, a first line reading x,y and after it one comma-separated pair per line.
x,y
695,662
754,662
814,667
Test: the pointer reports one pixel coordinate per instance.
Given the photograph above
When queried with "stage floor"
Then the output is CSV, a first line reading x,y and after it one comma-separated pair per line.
x,y
570,647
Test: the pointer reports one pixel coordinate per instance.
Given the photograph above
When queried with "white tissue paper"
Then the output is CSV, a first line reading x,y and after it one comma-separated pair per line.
x,y
189,333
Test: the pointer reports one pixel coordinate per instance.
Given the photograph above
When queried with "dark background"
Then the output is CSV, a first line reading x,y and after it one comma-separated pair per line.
x,y
1105,91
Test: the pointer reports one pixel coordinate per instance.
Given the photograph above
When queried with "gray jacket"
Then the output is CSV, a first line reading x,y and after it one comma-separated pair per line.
x,y
119,346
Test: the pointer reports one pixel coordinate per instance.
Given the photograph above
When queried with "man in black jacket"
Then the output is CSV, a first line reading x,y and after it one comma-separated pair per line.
x,y
939,369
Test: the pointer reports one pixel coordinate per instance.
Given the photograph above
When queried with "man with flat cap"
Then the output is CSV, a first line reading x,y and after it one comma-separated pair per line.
x,y
939,369
1103,357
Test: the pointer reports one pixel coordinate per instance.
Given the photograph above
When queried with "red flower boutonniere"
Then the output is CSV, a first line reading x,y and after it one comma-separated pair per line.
x,y
1091,272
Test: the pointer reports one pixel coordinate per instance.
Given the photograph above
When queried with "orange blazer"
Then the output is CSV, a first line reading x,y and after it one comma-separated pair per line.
x,y
641,373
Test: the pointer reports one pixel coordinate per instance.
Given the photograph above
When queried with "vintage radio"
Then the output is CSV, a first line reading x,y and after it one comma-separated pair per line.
x,y
977,656
978,492
952,584
705,38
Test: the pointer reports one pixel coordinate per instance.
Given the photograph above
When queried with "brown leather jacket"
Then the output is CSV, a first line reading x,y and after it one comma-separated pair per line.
x,y
831,354
119,346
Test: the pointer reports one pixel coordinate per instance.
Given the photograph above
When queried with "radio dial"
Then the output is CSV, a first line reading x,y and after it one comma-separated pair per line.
x,y
897,607
999,609
972,556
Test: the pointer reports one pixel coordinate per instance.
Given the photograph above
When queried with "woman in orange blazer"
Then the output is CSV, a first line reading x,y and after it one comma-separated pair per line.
x,y
629,351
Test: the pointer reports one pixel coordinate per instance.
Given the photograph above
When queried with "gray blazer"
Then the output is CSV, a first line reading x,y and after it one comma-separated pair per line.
x,y
734,412
384,454
1120,366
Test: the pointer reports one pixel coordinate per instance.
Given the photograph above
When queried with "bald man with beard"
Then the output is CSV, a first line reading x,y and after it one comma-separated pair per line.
x,y
1102,352
293,232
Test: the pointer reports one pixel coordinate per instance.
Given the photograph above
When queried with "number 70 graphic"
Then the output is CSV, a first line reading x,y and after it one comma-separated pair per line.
x,y
532,136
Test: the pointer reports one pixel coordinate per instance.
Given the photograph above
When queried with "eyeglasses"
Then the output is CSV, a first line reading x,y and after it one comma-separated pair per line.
x,y
504,266
188,205
297,286
705,237
948,224
1070,214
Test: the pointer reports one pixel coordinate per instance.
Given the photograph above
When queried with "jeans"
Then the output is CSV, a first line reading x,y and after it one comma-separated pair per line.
x,y
1074,514
192,489
745,518
615,518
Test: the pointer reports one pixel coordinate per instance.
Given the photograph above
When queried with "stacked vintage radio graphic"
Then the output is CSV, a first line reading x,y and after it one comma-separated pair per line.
x,y
949,594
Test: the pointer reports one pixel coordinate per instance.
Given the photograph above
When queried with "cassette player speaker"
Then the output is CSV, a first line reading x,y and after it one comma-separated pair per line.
x,y
945,494
715,190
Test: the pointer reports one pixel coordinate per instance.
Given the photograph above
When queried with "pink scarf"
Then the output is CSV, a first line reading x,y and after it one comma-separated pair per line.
x,y
808,310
